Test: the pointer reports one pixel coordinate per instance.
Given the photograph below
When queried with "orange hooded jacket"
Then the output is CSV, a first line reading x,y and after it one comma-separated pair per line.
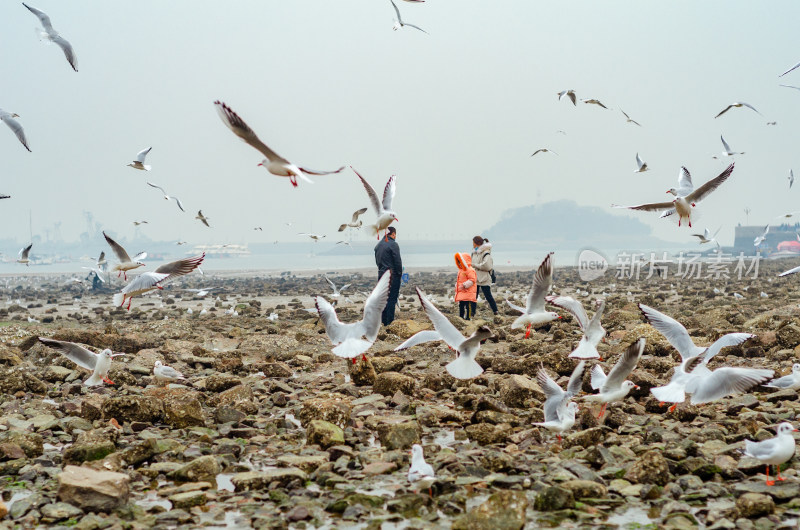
x,y
466,275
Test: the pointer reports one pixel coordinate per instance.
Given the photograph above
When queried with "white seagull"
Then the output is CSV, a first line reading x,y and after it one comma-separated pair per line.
x,y
167,197
683,204
543,150
355,222
614,387
641,167
97,363
534,313
203,219
594,102
274,163
14,125
165,374
139,162
383,209
336,292
23,255
464,366
315,237
559,412
737,105
727,150
347,337
150,281
629,120
52,35
763,237
399,22
685,186
126,263
706,236
568,94
593,331
774,451
790,382
420,472
678,337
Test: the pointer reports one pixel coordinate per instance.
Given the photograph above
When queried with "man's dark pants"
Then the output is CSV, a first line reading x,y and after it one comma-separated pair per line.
x,y
394,291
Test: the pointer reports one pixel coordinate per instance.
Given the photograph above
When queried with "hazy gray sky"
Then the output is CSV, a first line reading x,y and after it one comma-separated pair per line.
x,y
454,114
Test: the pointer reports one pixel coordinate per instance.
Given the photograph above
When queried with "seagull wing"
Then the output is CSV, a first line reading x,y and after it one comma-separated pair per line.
x,y
446,329
396,11
374,305
357,213
144,282
726,109
16,127
140,156
415,27
333,327
243,131
388,193
649,207
576,380
725,144
122,256
703,191
673,331
522,309
555,395
48,26
179,203
573,306
730,339
181,266
625,365
333,285
725,381
639,162
783,74
318,171
421,337
69,53
371,193
74,352
25,251
542,283
790,271
685,180
157,187
749,106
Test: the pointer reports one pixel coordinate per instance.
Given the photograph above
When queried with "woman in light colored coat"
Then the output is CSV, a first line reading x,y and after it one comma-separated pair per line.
x,y
483,264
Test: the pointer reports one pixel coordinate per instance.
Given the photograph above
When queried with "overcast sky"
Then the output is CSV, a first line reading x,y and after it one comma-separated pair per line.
x,y
454,114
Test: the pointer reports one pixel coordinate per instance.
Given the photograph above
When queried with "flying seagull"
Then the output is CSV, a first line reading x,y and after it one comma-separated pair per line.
x,y
594,102
167,197
52,35
559,412
737,105
614,387
315,237
569,94
593,331
23,255
534,314
791,178
150,281
706,236
789,70
355,222
98,363
727,149
5,196
629,120
139,162
399,22
336,292
763,237
203,219
125,262
274,163
543,150
383,209
14,125
683,204
641,166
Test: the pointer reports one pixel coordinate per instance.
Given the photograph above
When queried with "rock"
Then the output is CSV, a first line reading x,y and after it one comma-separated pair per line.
x,y
188,499
226,414
239,397
3,509
399,435
221,382
379,468
133,408
10,451
333,408
324,433
781,491
31,443
20,379
202,469
389,363
91,445
752,505
504,510
298,513
404,329
788,336
516,389
362,372
554,498
140,453
388,383
55,373
486,433
585,438
92,490
649,468
277,370
259,480
307,464
585,488
182,412
59,511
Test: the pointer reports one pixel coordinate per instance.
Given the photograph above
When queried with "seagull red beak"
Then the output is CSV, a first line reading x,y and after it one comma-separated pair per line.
x,y
636,387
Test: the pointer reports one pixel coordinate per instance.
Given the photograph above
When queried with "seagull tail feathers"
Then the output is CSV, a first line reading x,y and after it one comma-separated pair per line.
x,y
464,368
351,348
671,393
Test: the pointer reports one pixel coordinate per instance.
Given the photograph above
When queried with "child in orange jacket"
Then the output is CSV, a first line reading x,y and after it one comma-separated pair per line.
x,y
466,286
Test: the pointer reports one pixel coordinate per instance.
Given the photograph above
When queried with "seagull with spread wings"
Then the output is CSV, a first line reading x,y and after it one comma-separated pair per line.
x,y
383,209
593,331
559,411
355,222
52,35
534,314
641,166
347,338
543,150
570,94
683,205
629,119
726,150
126,263
23,255
706,236
202,218
15,126
98,363
139,162
737,105
149,281
399,22
614,387
274,163
167,197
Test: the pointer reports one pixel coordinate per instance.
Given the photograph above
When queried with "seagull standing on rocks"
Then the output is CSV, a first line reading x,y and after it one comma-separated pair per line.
x,y
787,382
774,451
98,363
420,473
165,374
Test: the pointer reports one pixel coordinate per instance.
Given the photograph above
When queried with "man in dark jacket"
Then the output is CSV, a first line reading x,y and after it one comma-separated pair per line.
x,y
387,257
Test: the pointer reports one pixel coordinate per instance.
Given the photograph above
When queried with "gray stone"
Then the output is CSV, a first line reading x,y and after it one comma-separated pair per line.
x,y
649,468
133,408
93,490
60,510
259,480
516,390
752,505
585,488
324,433
389,383
504,510
554,498
202,469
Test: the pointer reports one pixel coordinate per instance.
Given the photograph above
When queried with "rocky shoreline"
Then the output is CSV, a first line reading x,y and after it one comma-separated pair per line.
x,y
273,431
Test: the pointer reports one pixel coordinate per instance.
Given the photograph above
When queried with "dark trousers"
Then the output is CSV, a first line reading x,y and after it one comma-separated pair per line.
x,y
467,308
487,293
394,291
